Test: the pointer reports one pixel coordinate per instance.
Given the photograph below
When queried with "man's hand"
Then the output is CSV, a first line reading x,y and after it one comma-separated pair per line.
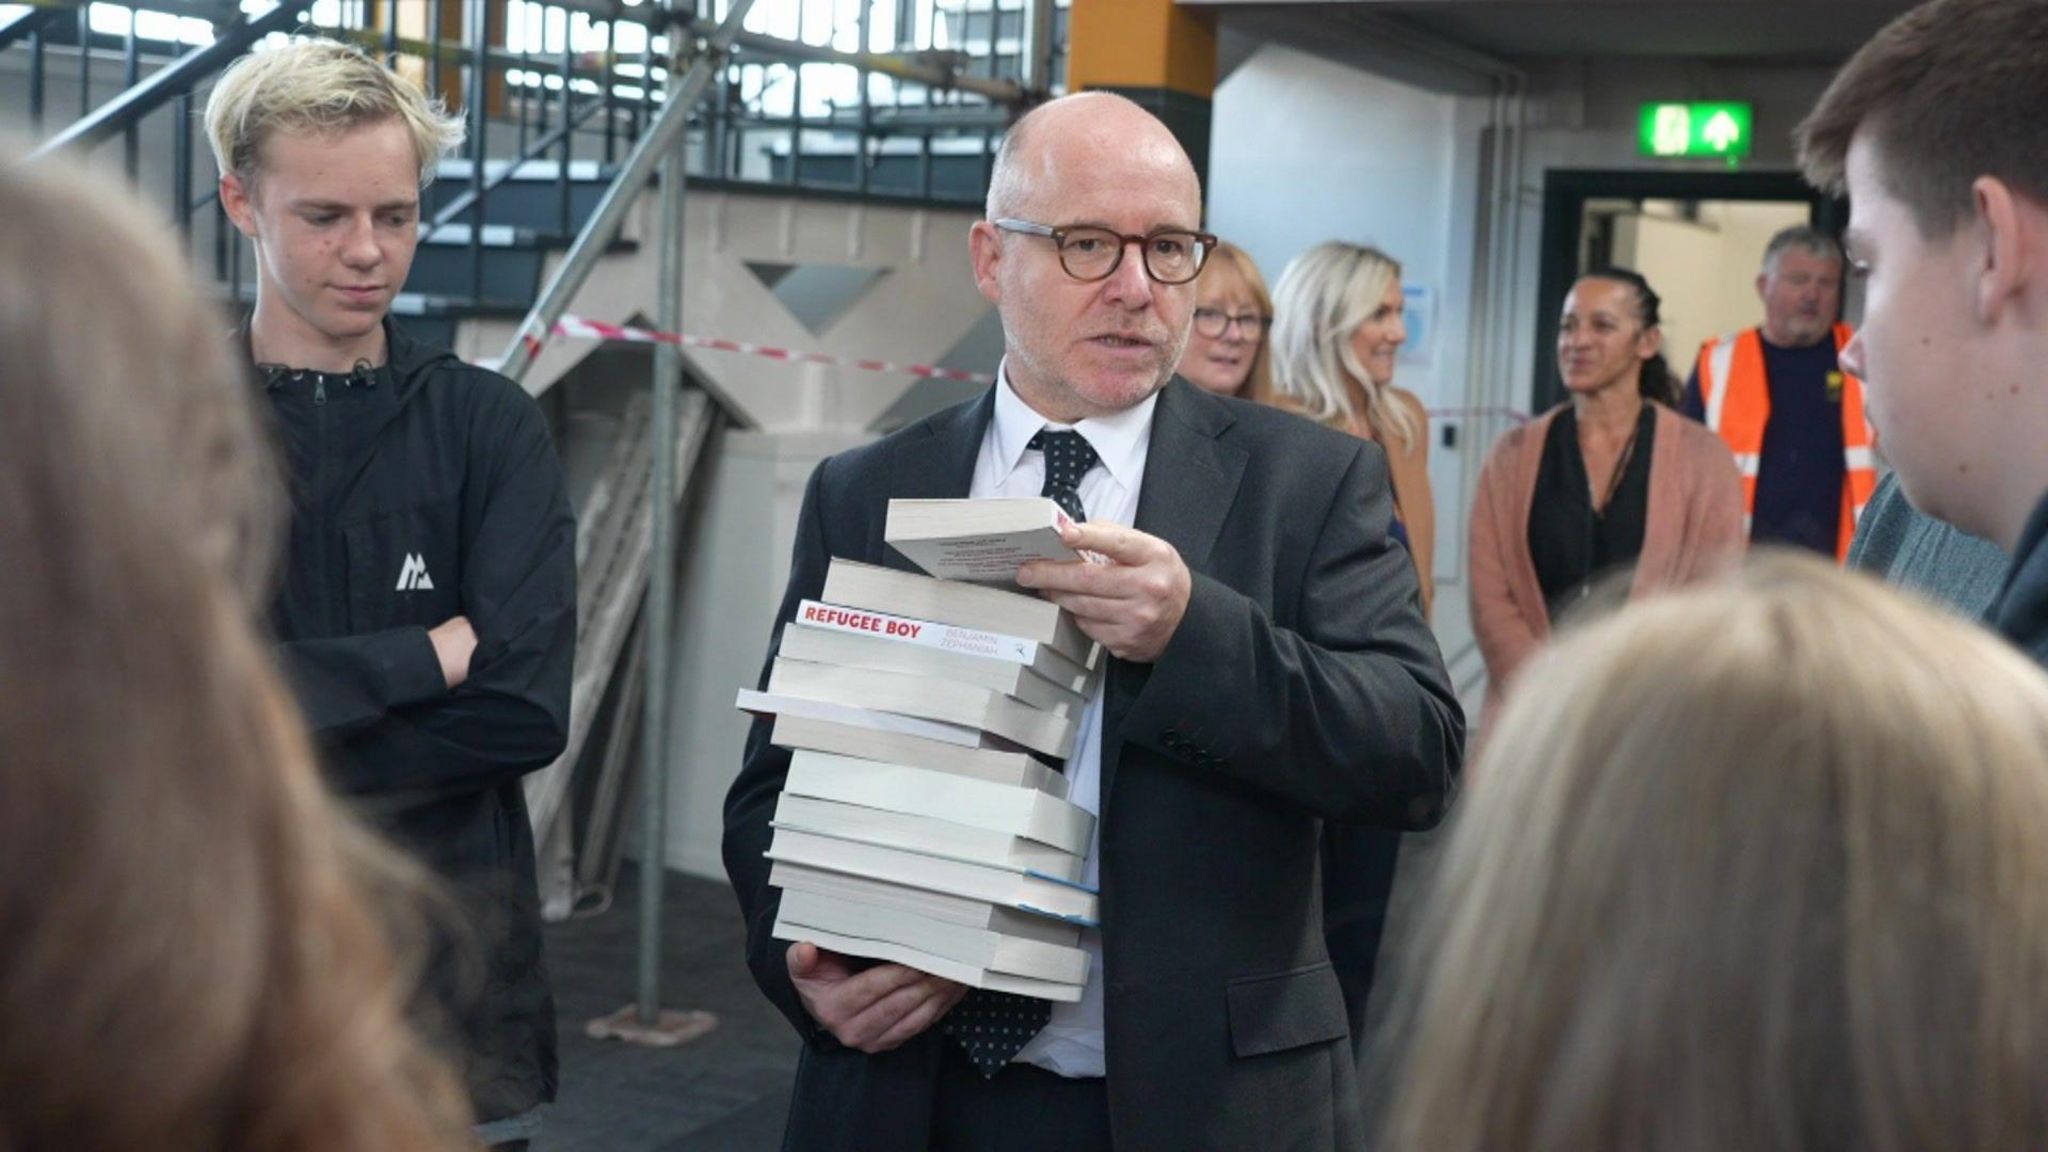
x,y
454,642
874,1009
1133,604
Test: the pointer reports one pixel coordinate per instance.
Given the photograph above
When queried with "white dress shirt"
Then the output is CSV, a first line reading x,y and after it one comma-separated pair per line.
x,y
1072,1044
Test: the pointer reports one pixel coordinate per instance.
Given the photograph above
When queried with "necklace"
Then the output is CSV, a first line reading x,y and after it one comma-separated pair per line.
x,y
1621,463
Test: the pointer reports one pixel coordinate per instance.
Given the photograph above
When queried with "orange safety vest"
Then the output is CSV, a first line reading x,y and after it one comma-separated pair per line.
x,y
1738,403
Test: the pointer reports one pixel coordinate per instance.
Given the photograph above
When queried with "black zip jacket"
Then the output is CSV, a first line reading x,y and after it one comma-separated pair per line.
x,y
423,490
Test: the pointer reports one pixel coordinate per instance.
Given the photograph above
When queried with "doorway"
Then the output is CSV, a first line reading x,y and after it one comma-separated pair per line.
x,y
1698,237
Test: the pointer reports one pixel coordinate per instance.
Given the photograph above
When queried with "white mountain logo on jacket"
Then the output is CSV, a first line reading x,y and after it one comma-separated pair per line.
x,y
412,577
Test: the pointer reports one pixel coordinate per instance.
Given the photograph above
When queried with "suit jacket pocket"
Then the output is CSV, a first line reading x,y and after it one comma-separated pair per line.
x,y
1285,1010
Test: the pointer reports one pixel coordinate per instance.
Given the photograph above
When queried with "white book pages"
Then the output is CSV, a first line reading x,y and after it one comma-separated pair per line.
x,y
1043,659
778,705
918,792
938,905
1016,888
978,541
936,965
848,650
977,946
856,585
923,834
995,765
928,699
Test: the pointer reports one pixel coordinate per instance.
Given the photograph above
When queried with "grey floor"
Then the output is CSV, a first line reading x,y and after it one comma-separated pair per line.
x,y
726,1092
729,1091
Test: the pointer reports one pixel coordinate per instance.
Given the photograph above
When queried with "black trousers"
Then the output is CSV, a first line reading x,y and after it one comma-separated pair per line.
x,y
1358,877
1023,1108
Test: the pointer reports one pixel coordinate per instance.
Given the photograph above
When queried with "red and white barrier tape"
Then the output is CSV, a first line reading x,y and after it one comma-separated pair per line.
x,y
583,328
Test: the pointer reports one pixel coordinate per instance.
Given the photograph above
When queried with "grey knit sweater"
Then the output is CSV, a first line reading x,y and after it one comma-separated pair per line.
x,y
1908,549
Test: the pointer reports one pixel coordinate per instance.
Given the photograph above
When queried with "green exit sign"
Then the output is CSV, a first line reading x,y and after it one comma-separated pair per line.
x,y
1675,130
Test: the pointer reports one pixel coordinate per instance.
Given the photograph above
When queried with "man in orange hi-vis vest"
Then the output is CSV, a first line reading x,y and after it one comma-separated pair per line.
x,y
1779,397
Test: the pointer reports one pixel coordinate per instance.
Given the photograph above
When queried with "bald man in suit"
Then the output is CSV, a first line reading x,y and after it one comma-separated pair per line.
x,y
1269,669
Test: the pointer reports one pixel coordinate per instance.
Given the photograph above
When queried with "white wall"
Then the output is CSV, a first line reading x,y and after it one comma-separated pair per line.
x,y
734,566
1680,259
1306,150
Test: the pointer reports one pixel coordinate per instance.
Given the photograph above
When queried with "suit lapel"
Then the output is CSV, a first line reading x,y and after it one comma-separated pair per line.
x,y
1191,481
1190,478
938,465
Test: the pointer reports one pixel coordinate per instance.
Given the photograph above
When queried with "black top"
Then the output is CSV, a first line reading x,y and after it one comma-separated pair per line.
x,y
2021,611
1799,470
424,489
1571,544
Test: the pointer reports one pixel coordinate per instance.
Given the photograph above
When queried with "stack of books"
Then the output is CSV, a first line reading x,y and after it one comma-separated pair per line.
x,y
915,824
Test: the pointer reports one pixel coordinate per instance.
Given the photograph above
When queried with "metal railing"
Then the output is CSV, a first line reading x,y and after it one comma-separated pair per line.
x,y
884,99
556,93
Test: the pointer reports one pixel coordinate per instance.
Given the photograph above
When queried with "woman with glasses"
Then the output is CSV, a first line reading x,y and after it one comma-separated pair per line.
x,y
1337,330
1601,483
1226,351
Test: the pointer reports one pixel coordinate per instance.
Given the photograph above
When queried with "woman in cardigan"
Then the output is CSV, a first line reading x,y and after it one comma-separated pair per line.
x,y
1603,482
1337,331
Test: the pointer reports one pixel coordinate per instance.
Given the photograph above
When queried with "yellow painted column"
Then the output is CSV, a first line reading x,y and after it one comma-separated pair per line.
x,y
415,23
1156,52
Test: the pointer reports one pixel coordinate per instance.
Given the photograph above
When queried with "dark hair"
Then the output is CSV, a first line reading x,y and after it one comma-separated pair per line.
x,y
1656,382
1952,90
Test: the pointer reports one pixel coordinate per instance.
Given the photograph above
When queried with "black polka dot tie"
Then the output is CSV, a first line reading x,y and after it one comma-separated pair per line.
x,y
1068,457
994,1026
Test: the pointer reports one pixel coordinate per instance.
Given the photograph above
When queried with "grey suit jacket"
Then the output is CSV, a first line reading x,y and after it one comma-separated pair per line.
x,y
1301,685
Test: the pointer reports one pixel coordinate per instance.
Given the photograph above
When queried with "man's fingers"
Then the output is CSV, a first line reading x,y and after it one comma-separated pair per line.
x,y
807,961
1050,576
863,989
867,1028
1089,610
918,1019
1121,544
836,996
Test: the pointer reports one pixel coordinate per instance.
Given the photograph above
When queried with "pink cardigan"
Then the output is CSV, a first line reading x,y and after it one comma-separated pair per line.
x,y
1693,528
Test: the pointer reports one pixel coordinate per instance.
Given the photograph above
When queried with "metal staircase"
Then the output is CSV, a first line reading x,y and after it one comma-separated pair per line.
x,y
556,203
554,94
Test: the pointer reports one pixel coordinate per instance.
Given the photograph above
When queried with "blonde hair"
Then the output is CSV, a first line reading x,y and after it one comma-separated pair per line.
x,y
1757,865
1323,297
318,87
1258,383
199,948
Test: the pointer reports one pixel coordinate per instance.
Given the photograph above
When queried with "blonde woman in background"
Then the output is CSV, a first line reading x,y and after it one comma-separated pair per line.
x,y
1226,351
1337,332
1757,865
193,958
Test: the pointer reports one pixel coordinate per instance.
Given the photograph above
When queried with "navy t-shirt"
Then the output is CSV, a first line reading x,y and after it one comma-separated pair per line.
x,y
1799,480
